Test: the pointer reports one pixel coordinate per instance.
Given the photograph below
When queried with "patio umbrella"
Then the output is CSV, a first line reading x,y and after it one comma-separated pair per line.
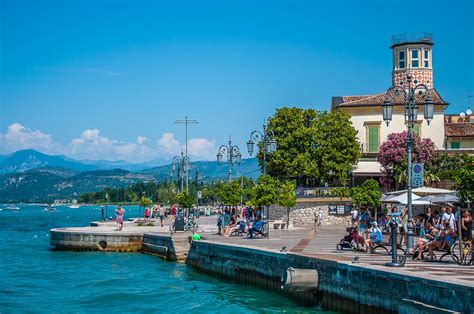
x,y
403,199
429,190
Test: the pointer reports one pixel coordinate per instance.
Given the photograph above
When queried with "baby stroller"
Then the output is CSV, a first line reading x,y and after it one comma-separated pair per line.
x,y
346,242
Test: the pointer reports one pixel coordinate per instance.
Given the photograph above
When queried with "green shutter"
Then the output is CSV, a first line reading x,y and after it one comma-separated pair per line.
x,y
373,139
455,145
416,129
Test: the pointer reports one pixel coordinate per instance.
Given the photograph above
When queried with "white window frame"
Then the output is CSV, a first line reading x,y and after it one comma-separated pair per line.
x,y
400,59
426,58
415,59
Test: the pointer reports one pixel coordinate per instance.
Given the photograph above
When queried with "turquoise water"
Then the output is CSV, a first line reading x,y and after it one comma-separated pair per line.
x,y
35,279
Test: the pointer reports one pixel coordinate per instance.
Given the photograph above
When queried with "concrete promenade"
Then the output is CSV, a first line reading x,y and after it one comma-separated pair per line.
x,y
346,286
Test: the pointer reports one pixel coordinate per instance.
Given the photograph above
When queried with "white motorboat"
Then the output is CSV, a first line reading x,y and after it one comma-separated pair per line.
x,y
11,207
74,204
49,208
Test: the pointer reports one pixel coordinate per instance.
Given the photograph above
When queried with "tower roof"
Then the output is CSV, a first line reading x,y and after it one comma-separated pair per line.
x,y
378,99
412,38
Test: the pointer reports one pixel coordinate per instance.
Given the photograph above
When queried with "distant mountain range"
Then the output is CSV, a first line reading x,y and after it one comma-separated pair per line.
x,y
27,159
31,176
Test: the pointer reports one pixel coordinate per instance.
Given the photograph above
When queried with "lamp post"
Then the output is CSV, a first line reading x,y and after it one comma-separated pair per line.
x,y
268,142
410,95
182,163
233,156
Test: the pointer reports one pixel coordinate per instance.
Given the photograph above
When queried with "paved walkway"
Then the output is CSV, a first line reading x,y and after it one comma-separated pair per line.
x,y
322,243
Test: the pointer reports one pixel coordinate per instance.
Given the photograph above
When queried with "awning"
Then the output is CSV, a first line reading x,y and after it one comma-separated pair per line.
x,y
367,168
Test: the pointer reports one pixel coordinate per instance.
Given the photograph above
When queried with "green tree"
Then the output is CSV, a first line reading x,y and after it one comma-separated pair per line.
x,y
167,193
265,192
144,201
230,193
287,198
313,147
185,200
464,185
335,149
367,195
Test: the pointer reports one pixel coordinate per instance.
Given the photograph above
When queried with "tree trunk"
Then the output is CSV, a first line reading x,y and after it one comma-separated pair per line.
x,y
287,217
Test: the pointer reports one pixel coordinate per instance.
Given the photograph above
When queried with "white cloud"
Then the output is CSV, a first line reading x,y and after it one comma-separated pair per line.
x,y
92,145
18,137
141,140
201,148
168,144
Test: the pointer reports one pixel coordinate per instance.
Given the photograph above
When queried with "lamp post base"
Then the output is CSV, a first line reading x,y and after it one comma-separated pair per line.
x,y
394,264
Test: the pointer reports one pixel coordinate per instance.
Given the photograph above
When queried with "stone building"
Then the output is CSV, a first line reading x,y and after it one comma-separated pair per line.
x,y
459,133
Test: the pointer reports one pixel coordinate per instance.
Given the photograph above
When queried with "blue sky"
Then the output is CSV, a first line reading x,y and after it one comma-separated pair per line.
x,y
107,79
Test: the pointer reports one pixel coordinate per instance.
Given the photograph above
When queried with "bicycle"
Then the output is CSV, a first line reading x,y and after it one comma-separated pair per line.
x,y
467,251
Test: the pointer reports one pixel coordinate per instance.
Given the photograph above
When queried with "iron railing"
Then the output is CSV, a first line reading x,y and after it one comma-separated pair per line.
x,y
412,38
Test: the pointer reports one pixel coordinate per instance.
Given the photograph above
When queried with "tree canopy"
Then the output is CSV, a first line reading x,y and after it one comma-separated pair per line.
x,y
367,195
464,179
185,200
265,191
286,194
229,194
313,147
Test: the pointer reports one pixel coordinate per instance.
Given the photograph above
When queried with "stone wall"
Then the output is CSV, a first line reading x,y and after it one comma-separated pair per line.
x,y
307,212
341,286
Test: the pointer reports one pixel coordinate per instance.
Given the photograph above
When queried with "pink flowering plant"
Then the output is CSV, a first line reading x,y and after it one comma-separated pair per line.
x,y
393,157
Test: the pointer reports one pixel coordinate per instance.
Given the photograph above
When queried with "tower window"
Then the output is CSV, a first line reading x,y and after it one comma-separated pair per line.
x,y
401,59
415,58
426,58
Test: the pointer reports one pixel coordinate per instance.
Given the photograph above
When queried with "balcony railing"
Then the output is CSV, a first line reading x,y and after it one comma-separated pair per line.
x,y
412,38
318,192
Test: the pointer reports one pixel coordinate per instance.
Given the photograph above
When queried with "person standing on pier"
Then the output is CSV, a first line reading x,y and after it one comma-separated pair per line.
x,y
119,217
162,214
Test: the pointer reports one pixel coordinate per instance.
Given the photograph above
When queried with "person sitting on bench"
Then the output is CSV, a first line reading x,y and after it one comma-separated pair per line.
x,y
256,227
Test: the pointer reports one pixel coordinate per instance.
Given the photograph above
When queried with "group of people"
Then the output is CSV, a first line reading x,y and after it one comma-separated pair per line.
x,y
157,211
232,219
437,231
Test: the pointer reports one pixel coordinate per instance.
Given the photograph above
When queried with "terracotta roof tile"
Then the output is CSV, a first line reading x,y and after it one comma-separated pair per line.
x,y
459,129
378,99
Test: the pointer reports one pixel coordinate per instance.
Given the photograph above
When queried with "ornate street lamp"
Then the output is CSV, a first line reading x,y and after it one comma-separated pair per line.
x,y
182,163
410,95
269,143
233,155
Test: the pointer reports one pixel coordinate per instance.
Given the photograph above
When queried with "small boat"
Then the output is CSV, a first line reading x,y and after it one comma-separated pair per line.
x,y
49,208
74,204
11,207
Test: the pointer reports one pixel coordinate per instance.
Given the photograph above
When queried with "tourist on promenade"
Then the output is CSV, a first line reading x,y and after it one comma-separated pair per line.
x,y
430,235
257,226
466,226
147,214
365,218
448,218
162,212
442,242
375,237
355,216
404,225
119,212
220,220
173,210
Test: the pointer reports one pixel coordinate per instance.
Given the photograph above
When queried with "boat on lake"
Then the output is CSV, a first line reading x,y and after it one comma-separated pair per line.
x,y
11,207
74,204
49,208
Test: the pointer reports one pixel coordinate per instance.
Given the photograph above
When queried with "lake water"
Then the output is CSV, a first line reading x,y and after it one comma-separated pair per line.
x,y
35,279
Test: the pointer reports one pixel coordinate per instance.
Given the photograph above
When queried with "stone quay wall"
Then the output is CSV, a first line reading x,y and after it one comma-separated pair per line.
x,y
341,286
305,212
64,240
